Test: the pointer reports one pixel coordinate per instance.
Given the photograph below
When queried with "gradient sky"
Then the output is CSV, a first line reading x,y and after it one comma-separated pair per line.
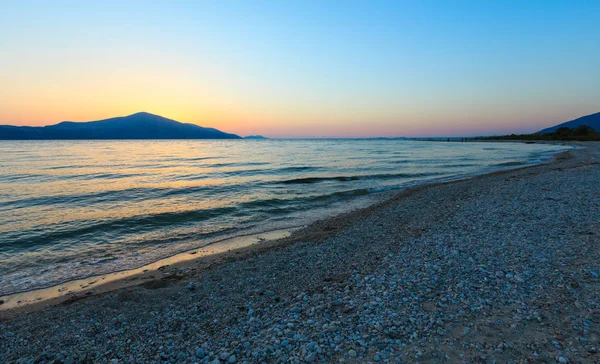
x,y
305,68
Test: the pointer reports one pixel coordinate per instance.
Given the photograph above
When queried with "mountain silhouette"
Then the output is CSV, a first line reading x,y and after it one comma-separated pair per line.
x,y
592,120
142,125
256,137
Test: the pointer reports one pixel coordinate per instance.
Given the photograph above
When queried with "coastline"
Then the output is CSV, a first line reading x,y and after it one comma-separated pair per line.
x,y
180,265
333,274
171,267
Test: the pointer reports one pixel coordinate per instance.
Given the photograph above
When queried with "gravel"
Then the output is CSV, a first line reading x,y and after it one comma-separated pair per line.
x,y
502,267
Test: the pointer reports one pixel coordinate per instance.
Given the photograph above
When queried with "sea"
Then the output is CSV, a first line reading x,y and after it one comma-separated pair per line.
x,y
75,209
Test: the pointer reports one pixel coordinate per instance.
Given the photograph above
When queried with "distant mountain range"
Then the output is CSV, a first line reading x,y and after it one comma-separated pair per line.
x,y
592,120
137,126
144,125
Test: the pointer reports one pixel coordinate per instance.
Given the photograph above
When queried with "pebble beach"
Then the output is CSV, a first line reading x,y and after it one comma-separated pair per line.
x,y
503,267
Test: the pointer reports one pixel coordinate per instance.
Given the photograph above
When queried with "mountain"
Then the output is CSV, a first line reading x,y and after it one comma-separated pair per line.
x,y
257,137
137,126
592,120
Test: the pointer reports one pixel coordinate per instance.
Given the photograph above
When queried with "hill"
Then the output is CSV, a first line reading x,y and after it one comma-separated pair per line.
x,y
137,126
592,120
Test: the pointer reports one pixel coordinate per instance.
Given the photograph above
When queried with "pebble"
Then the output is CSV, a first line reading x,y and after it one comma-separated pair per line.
x,y
396,285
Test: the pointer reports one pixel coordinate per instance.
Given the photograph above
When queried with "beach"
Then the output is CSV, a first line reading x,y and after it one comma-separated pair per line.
x,y
499,267
66,214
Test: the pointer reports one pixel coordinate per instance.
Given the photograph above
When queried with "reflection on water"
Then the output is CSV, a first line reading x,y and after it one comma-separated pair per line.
x,y
155,270
76,208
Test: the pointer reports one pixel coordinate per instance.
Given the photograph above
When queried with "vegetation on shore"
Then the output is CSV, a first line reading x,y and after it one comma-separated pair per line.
x,y
580,133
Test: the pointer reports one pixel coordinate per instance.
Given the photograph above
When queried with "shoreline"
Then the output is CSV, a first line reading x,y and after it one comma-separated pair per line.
x,y
23,283
170,267
498,267
181,265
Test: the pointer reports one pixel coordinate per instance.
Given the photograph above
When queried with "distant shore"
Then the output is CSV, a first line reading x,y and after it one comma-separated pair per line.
x,y
501,266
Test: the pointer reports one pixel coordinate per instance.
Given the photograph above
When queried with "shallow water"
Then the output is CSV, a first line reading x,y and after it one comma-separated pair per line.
x,y
71,209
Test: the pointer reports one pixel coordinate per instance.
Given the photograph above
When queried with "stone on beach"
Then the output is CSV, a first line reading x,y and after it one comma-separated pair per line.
x,y
495,268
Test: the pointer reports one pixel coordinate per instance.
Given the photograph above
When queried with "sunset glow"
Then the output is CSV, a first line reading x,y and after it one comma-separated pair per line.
x,y
346,69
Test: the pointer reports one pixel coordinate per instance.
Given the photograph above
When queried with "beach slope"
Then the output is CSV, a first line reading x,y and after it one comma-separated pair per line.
x,y
498,267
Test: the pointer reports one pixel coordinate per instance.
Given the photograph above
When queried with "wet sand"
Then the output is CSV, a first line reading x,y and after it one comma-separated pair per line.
x,y
164,269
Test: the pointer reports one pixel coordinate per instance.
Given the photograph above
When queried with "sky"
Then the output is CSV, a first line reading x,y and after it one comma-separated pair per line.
x,y
304,68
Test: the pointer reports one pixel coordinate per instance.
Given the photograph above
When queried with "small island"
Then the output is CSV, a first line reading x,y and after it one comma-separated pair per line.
x,y
256,137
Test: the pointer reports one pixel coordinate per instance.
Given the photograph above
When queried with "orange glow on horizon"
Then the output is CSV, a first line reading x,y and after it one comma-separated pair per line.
x,y
270,125
299,69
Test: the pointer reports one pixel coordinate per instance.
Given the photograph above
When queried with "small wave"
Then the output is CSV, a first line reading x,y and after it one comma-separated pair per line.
x,y
25,177
39,178
66,167
509,164
265,203
107,175
299,203
351,193
87,199
200,158
310,180
236,164
298,169
133,224
458,165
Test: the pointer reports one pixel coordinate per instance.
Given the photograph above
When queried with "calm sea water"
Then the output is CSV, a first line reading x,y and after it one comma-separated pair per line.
x,y
70,209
